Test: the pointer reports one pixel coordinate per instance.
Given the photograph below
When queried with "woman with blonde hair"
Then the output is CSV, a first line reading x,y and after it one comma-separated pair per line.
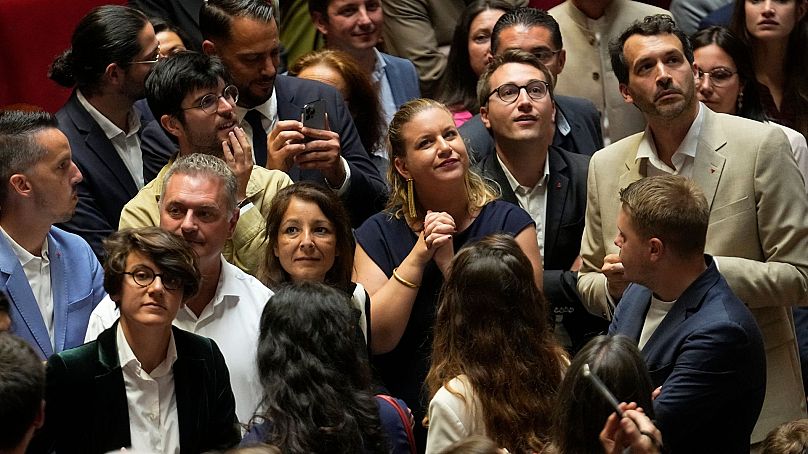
x,y
437,205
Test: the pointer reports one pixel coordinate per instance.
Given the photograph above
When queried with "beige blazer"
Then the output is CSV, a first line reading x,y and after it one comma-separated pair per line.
x,y
758,234
588,71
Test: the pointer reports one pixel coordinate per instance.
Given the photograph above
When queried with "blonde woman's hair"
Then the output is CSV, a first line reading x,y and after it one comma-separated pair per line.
x,y
478,191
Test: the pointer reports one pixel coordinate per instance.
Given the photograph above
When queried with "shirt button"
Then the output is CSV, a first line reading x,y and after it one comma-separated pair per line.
x,y
595,76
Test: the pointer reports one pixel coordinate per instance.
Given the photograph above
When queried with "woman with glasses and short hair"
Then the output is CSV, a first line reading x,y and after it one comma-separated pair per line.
x,y
142,384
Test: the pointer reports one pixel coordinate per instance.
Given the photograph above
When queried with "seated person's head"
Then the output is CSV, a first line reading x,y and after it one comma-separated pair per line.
x,y
354,27
788,438
582,411
198,203
309,238
192,97
172,38
22,393
153,266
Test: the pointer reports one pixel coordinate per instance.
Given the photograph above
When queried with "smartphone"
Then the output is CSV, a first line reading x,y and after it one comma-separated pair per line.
x,y
313,115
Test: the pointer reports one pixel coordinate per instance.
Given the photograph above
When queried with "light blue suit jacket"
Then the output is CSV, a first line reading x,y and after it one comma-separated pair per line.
x,y
77,284
403,79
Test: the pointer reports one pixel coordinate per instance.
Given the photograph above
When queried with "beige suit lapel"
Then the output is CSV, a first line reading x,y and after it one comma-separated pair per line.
x,y
634,169
708,165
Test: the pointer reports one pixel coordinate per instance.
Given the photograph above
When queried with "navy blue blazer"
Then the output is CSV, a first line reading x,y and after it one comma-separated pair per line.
x,y
403,79
368,191
107,185
585,136
77,283
87,410
707,354
563,228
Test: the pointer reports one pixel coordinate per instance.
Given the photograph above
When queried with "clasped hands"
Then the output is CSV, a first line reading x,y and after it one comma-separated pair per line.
x,y
439,228
287,145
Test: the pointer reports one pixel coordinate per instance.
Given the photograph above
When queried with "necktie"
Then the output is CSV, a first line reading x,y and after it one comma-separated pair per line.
x,y
259,137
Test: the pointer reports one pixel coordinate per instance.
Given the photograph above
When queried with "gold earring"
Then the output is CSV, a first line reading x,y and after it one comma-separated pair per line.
x,y
411,199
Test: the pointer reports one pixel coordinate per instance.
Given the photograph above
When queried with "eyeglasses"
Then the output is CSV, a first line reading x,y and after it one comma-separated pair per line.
x,y
144,276
545,56
153,61
536,89
210,102
718,76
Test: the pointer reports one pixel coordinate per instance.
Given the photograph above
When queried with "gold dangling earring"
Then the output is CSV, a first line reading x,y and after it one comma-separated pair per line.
x,y
411,199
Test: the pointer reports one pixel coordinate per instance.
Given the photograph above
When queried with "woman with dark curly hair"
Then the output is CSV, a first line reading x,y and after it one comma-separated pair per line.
x,y
496,366
468,57
317,395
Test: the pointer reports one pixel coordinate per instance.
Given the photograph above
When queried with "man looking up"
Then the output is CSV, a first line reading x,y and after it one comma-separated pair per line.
x,y
699,340
516,99
113,49
198,202
193,101
243,33
577,123
51,277
757,231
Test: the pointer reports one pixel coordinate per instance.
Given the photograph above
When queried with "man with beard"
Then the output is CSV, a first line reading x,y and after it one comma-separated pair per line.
x,y
113,49
243,33
191,99
52,278
757,231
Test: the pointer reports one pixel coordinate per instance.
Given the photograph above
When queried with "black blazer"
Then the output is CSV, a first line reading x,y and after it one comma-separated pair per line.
x,y
107,185
564,226
86,409
368,191
585,136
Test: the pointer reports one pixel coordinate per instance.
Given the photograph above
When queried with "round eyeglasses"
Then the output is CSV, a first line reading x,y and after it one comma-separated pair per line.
x,y
144,276
718,77
508,93
210,102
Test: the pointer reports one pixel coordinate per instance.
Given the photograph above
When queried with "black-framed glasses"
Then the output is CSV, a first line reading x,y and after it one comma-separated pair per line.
x,y
508,93
719,76
144,276
545,55
210,102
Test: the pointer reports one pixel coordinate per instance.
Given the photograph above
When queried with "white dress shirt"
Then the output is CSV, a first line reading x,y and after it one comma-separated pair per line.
x,y
533,200
37,271
153,421
682,159
231,319
127,144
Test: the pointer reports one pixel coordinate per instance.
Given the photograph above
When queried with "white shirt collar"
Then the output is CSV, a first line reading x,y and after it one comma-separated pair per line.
x,y
378,68
128,360
22,254
269,109
647,148
109,128
515,186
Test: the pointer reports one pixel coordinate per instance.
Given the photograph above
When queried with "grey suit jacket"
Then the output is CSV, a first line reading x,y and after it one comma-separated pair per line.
x,y
758,235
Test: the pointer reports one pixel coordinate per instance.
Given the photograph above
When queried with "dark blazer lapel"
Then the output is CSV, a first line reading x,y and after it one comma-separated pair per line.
x,y
493,171
557,191
635,316
111,411
14,282
191,406
99,144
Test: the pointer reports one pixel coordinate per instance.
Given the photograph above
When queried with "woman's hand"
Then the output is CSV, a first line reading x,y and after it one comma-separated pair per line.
x,y
635,430
439,228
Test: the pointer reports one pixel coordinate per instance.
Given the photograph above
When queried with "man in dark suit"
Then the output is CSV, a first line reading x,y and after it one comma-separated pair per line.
x,y
549,183
577,122
700,342
243,33
113,50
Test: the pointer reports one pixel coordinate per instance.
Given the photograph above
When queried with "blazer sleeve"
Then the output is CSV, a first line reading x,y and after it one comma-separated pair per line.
x,y
782,210
446,426
224,428
591,282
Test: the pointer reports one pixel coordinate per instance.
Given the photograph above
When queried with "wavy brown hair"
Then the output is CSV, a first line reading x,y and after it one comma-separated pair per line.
x,y
478,191
492,326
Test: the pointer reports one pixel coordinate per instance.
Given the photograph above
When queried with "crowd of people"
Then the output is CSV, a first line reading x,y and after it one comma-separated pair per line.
x,y
567,229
